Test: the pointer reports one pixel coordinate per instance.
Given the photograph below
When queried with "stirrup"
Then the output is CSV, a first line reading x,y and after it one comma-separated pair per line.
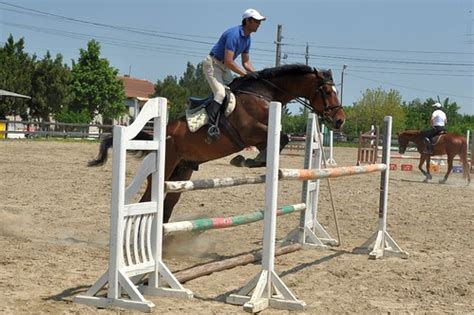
x,y
212,133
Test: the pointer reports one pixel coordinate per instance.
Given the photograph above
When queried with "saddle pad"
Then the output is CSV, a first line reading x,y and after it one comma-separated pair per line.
x,y
197,117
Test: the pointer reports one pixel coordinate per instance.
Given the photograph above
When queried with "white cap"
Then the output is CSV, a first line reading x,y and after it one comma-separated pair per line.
x,y
252,13
437,105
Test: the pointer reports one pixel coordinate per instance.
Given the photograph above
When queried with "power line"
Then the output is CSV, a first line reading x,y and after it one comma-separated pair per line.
x,y
386,50
411,88
416,73
376,60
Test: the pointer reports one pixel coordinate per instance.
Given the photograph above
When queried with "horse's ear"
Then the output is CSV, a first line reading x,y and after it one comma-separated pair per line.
x,y
320,74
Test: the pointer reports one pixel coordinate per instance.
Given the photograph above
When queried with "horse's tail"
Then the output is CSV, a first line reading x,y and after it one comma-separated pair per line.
x,y
103,152
465,164
106,144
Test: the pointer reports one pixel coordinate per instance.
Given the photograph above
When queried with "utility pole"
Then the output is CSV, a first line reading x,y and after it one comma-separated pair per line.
x,y
307,54
278,46
342,81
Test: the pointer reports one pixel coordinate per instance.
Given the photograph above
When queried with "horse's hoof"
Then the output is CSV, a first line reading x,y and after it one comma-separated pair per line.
x,y
429,176
426,180
442,181
253,163
238,161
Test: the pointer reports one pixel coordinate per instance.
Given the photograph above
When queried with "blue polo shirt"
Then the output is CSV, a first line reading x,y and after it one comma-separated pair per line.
x,y
233,39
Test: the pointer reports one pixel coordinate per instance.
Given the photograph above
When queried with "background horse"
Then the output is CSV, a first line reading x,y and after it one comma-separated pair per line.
x,y
448,143
246,126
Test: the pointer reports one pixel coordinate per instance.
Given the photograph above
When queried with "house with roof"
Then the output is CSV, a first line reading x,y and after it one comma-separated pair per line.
x,y
137,92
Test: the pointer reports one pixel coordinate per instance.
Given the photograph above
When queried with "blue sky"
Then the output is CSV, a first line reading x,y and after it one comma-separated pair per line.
x,y
422,48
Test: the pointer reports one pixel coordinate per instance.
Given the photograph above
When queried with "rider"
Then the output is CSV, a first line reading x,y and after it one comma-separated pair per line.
x,y
220,62
438,123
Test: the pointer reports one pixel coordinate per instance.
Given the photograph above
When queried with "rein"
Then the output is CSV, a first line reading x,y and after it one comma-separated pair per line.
x,y
303,102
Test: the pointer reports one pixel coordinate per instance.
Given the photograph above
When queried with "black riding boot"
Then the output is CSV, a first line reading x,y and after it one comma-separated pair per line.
x,y
429,146
213,112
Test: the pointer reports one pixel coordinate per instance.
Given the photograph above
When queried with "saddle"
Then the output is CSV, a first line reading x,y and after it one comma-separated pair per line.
x,y
196,114
434,140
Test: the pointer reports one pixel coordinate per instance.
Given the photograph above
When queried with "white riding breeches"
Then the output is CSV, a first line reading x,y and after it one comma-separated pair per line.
x,y
217,75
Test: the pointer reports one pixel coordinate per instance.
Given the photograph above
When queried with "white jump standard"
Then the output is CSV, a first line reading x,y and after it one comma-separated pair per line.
x,y
268,289
136,227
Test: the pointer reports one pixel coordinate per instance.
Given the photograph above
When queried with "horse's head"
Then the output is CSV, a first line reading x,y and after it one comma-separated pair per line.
x,y
289,82
402,142
324,100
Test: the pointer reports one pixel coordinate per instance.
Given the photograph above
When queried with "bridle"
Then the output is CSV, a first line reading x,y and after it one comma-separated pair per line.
x,y
329,111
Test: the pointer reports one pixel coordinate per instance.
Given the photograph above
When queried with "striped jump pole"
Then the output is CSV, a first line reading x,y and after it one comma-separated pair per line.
x,y
314,174
221,223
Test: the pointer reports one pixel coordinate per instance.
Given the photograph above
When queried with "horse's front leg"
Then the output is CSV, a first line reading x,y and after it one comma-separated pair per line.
x,y
258,136
261,159
262,155
450,167
182,173
427,174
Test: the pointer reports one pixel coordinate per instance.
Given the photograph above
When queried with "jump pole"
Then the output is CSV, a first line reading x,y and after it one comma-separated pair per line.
x,y
215,266
222,223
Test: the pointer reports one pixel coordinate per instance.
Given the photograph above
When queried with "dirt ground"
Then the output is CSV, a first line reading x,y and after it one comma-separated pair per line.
x,y
54,225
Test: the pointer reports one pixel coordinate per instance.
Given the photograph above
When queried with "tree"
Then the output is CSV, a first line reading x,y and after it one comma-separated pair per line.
x,y
50,90
16,69
372,108
417,114
191,83
194,81
294,124
177,95
95,85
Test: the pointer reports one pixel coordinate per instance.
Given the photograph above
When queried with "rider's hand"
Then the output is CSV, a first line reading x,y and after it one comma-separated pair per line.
x,y
252,75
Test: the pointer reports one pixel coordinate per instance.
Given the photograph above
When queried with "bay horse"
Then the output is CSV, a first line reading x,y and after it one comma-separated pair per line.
x,y
246,126
447,143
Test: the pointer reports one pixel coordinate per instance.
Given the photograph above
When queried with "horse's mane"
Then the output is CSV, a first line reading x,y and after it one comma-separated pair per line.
x,y
286,70
275,72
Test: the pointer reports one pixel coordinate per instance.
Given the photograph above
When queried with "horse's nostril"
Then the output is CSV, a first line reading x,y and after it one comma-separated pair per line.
x,y
339,123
